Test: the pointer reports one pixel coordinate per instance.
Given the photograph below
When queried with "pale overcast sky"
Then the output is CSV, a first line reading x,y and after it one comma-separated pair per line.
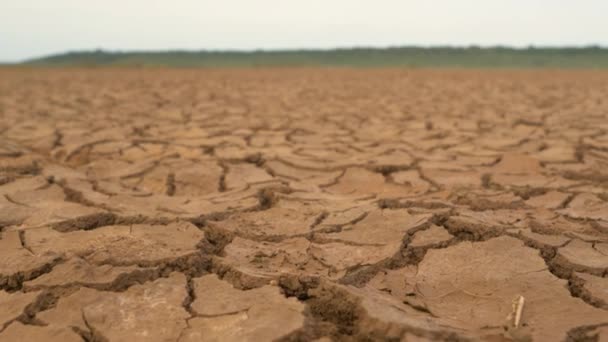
x,y
31,28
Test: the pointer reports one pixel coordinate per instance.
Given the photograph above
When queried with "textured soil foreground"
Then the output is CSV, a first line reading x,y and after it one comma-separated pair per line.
x,y
234,205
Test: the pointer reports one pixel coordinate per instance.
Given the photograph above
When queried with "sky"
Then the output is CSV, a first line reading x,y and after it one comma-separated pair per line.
x,y
34,28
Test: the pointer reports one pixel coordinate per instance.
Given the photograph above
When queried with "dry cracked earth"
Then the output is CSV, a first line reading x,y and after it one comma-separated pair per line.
x,y
303,204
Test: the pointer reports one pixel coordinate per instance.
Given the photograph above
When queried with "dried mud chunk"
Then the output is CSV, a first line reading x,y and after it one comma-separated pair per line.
x,y
13,304
601,247
54,212
229,314
332,154
149,312
587,206
482,224
516,163
41,206
378,316
441,162
526,180
454,179
18,264
397,283
274,222
498,141
584,256
121,245
268,138
435,235
547,222
475,283
597,288
115,168
197,179
436,203
532,180
390,160
550,200
183,178
154,180
161,206
241,175
20,165
494,201
381,226
521,170
557,154
78,271
308,176
36,197
362,182
486,158
13,214
269,259
341,257
412,180
19,332
78,148
344,217
23,185
540,240
9,149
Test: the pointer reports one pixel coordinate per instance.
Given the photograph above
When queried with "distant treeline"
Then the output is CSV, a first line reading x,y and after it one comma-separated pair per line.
x,y
584,57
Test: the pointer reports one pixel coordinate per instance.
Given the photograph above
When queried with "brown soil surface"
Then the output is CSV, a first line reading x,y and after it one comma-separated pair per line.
x,y
303,204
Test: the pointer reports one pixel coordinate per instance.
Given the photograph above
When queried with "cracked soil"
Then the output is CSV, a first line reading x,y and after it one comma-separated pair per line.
x,y
303,204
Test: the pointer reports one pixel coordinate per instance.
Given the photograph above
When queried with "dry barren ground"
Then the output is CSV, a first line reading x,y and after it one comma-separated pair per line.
x,y
232,205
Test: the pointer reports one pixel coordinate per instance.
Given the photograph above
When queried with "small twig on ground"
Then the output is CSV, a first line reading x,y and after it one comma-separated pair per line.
x,y
518,306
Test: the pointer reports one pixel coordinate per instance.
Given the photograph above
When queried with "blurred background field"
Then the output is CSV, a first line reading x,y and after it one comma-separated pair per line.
x,y
467,57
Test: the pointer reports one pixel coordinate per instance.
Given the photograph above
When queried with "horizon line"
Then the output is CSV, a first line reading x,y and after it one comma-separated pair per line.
x,y
316,49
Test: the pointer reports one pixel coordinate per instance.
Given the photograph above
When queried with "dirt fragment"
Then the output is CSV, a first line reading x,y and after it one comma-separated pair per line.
x,y
223,313
119,316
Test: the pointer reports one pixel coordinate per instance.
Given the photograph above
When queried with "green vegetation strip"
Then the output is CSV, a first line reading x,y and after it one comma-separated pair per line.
x,y
496,57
